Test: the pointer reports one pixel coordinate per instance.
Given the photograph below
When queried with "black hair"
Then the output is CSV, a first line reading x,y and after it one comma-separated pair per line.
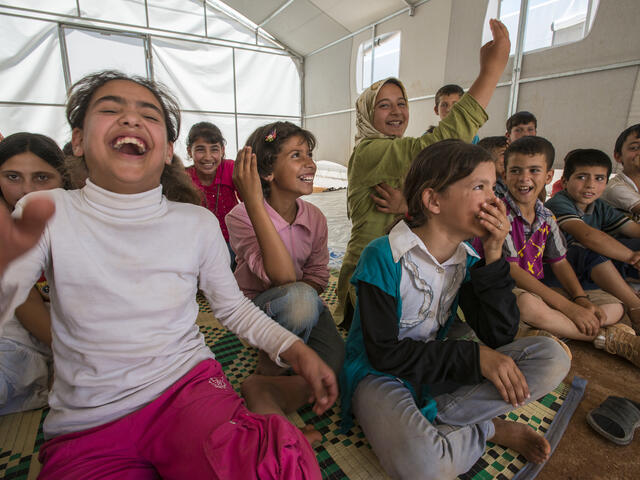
x,y
521,118
266,142
531,145
82,91
436,167
206,131
491,143
585,157
177,185
449,89
40,145
635,129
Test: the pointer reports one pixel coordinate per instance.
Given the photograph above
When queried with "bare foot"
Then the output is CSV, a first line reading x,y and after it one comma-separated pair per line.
x,y
313,436
267,367
523,439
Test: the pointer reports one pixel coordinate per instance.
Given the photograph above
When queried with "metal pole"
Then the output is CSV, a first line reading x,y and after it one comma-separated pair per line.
x,y
363,29
279,10
65,57
587,20
204,8
373,46
148,56
517,59
235,97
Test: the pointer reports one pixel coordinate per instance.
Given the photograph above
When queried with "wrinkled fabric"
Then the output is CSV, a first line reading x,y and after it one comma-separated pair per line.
x,y
199,428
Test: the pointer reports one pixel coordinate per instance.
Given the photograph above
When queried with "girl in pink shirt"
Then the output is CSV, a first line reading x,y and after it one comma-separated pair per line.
x,y
281,246
211,173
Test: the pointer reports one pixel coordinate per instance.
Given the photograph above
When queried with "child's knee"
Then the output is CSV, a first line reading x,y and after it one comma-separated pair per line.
x,y
528,303
613,311
302,308
553,363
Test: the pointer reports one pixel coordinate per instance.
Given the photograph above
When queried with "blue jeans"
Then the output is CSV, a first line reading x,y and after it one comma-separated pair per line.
x,y
299,309
24,377
409,446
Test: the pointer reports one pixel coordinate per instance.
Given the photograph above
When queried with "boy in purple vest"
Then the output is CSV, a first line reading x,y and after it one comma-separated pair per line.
x,y
534,240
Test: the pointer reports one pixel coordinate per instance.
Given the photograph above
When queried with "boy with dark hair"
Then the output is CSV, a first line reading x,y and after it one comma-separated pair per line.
x,y
623,190
535,238
446,97
496,146
588,223
521,124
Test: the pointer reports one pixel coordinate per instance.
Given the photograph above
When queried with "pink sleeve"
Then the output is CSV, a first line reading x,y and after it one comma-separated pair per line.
x,y
315,268
245,243
227,176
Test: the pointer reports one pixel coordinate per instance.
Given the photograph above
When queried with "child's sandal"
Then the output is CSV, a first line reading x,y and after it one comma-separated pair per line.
x,y
616,419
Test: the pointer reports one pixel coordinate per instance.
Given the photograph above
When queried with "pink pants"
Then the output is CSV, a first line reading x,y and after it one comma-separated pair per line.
x,y
198,428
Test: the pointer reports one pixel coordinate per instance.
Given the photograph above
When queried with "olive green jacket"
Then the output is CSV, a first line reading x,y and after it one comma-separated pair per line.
x,y
378,160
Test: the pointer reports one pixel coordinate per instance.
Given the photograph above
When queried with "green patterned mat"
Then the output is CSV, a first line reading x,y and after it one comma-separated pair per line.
x,y
340,456
349,456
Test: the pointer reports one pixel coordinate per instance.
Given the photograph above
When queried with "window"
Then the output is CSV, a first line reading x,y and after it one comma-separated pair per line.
x,y
94,50
549,22
386,60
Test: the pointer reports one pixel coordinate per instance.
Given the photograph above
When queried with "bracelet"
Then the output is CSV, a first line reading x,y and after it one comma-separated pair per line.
x,y
579,296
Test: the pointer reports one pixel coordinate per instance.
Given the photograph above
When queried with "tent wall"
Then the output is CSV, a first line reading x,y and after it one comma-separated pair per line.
x,y
440,44
219,70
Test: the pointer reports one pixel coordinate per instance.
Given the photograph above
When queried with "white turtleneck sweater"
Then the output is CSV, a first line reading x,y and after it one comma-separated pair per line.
x,y
123,271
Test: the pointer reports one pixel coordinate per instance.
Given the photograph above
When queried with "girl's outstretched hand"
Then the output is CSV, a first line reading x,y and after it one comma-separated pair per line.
x,y
246,177
17,236
494,54
503,372
493,217
306,363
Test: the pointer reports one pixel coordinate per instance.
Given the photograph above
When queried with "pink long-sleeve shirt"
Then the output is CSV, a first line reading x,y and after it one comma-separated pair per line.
x,y
305,240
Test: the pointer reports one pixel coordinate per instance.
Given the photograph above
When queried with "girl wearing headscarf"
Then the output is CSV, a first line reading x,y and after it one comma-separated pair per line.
x,y
382,155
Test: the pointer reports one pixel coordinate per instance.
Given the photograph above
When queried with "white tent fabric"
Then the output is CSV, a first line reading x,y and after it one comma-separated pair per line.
x,y
89,51
200,76
216,66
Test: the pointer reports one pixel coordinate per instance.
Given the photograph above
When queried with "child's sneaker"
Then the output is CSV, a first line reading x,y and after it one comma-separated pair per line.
x,y
619,339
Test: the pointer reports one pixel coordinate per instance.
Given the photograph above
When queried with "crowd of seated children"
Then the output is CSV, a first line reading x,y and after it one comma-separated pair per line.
x,y
416,392
281,246
383,155
212,174
588,224
622,190
496,147
427,403
29,162
133,375
536,248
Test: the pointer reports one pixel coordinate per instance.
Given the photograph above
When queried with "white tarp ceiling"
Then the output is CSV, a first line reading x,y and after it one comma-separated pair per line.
x,y
216,65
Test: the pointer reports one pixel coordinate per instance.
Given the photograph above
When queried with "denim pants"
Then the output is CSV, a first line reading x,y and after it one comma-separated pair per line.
x,y
299,309
409,446
24,377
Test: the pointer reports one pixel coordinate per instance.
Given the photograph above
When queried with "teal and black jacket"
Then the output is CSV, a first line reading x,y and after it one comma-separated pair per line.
x,y
426,368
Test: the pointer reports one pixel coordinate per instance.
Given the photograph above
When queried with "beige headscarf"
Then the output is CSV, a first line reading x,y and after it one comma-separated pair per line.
x,y
364,110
